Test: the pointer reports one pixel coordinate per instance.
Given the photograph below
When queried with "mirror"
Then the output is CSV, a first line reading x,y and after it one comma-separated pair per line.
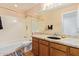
x,y
70,23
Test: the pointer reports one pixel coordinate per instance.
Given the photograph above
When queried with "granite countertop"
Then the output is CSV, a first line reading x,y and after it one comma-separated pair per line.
x,y
74,42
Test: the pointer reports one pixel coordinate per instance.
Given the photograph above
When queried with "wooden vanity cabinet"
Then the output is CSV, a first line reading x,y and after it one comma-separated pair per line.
x,y
40,47
35,46
43,48
58,49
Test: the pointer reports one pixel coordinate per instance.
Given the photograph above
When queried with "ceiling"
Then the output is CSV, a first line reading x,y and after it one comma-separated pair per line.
x,y
19,7
31,9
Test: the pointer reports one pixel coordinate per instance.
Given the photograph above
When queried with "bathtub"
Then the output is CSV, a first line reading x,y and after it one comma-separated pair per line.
x,y
12,46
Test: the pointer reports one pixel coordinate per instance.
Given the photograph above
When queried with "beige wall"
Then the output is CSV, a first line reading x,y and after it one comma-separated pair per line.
x,y
55,16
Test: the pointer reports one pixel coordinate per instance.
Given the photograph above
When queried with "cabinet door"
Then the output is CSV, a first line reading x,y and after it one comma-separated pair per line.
x,y
55,52
35,47
43,50
74,51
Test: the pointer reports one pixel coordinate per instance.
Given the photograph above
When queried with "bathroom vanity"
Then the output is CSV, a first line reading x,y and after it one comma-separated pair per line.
x,y
43,46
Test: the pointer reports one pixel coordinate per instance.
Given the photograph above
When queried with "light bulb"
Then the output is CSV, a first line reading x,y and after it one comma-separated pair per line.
x,y
15,5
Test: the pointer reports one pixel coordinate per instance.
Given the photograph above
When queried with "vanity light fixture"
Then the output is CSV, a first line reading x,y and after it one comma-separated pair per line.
x,y
47,6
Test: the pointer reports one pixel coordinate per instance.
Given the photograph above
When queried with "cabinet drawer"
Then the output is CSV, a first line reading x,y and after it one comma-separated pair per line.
x,y
44,42
55,52
59,46
52,44
74,51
